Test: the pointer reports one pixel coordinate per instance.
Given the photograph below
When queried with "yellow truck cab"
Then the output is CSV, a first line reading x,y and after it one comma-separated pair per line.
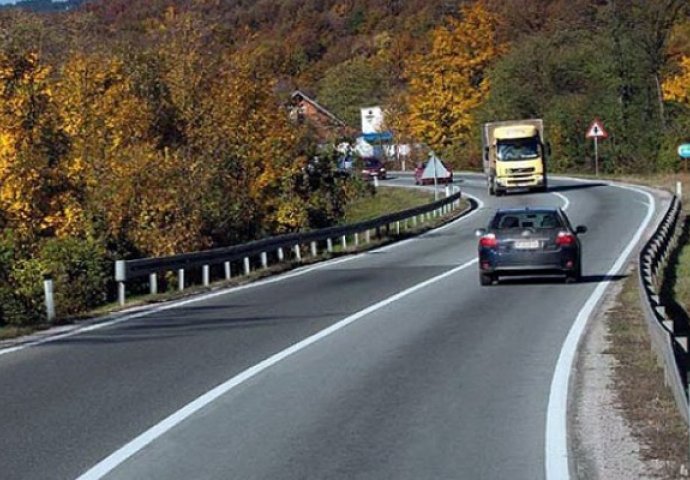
x,y
514,155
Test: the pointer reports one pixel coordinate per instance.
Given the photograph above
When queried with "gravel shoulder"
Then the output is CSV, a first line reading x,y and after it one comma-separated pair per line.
x,y
623,418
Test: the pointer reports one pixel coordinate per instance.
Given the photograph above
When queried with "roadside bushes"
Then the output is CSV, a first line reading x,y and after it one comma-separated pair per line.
x,y
78,268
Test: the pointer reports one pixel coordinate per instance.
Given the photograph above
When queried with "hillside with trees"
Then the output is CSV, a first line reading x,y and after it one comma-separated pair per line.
x,y
149,128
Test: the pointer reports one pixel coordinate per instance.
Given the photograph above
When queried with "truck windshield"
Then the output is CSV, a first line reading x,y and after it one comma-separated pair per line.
x,y
518,149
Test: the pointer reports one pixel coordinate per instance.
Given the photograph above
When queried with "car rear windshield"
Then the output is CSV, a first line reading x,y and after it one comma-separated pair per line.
x,y
508,220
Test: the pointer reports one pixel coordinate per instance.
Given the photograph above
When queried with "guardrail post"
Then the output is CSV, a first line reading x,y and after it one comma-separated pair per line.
x,y
281,254
329,245
264,260
228,270
367,236
679,189
314,250
180,279
206,275
343,241
414,221
247,267
153,283
397,227
50,300
356,239
376,181
120,278
298,254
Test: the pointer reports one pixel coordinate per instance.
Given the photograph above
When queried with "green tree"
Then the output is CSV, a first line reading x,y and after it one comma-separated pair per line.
x,y
354,84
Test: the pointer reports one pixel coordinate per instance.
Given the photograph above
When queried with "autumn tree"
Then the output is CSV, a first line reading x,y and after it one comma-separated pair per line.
x,y
32,147
677,87
254,151
448,83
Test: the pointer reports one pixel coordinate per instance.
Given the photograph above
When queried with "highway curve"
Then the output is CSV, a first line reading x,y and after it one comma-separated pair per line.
x,y
421,373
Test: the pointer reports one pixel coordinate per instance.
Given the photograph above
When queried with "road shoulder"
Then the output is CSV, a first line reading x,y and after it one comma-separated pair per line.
x,y
623,418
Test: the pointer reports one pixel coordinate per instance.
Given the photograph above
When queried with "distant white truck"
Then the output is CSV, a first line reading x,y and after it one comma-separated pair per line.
x,y
514,155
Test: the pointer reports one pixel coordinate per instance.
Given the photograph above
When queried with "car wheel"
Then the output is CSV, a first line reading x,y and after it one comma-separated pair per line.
x,y
575,276
486,279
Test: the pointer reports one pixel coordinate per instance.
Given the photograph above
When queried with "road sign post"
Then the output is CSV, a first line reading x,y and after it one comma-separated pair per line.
x,y
596,131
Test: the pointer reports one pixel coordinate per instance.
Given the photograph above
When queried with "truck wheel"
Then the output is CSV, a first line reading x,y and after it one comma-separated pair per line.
x,y
486,279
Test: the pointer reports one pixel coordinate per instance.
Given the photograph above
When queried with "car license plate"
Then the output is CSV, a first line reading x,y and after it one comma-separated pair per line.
x,y
526,244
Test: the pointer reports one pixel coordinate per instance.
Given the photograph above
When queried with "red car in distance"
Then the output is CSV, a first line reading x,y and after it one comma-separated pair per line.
x,y
373,167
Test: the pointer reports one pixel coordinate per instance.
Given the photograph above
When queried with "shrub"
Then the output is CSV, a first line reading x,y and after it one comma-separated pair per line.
x,y
79,271
17,306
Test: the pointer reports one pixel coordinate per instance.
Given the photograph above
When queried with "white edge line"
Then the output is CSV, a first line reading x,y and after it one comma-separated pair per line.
x,y
111,462
566,202
556,440
299,271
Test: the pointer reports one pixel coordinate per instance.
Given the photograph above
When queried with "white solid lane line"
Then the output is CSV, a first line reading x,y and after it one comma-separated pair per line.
x,y
566,202
111,462
556,454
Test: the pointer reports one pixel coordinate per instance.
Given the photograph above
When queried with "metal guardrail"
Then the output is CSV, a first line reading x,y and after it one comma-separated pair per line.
x,y
284,246
670,341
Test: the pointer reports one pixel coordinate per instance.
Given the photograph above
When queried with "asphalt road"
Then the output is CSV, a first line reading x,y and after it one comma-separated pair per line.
x,y
443,380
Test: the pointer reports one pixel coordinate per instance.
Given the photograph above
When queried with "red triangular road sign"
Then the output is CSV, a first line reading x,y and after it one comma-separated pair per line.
x,y
596,130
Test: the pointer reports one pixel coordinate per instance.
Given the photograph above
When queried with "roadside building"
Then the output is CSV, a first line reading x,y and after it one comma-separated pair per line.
x,y
327,126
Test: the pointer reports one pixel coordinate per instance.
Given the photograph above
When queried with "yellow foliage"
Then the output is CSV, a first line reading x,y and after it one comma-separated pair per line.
x,y
448,83
103,118
29,153
677,88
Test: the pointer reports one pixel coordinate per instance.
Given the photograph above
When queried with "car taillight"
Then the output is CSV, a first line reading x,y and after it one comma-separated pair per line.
x,y
565,239
489,240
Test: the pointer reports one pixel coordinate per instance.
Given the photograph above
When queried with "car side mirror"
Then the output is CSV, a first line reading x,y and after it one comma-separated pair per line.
x,y
480,232
581,229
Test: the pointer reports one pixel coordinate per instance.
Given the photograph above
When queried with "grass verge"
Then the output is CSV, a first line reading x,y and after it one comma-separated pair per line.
x,y
386,200
643,398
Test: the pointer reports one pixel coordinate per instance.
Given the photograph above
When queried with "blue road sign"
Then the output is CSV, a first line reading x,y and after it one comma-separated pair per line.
x,y
684,150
